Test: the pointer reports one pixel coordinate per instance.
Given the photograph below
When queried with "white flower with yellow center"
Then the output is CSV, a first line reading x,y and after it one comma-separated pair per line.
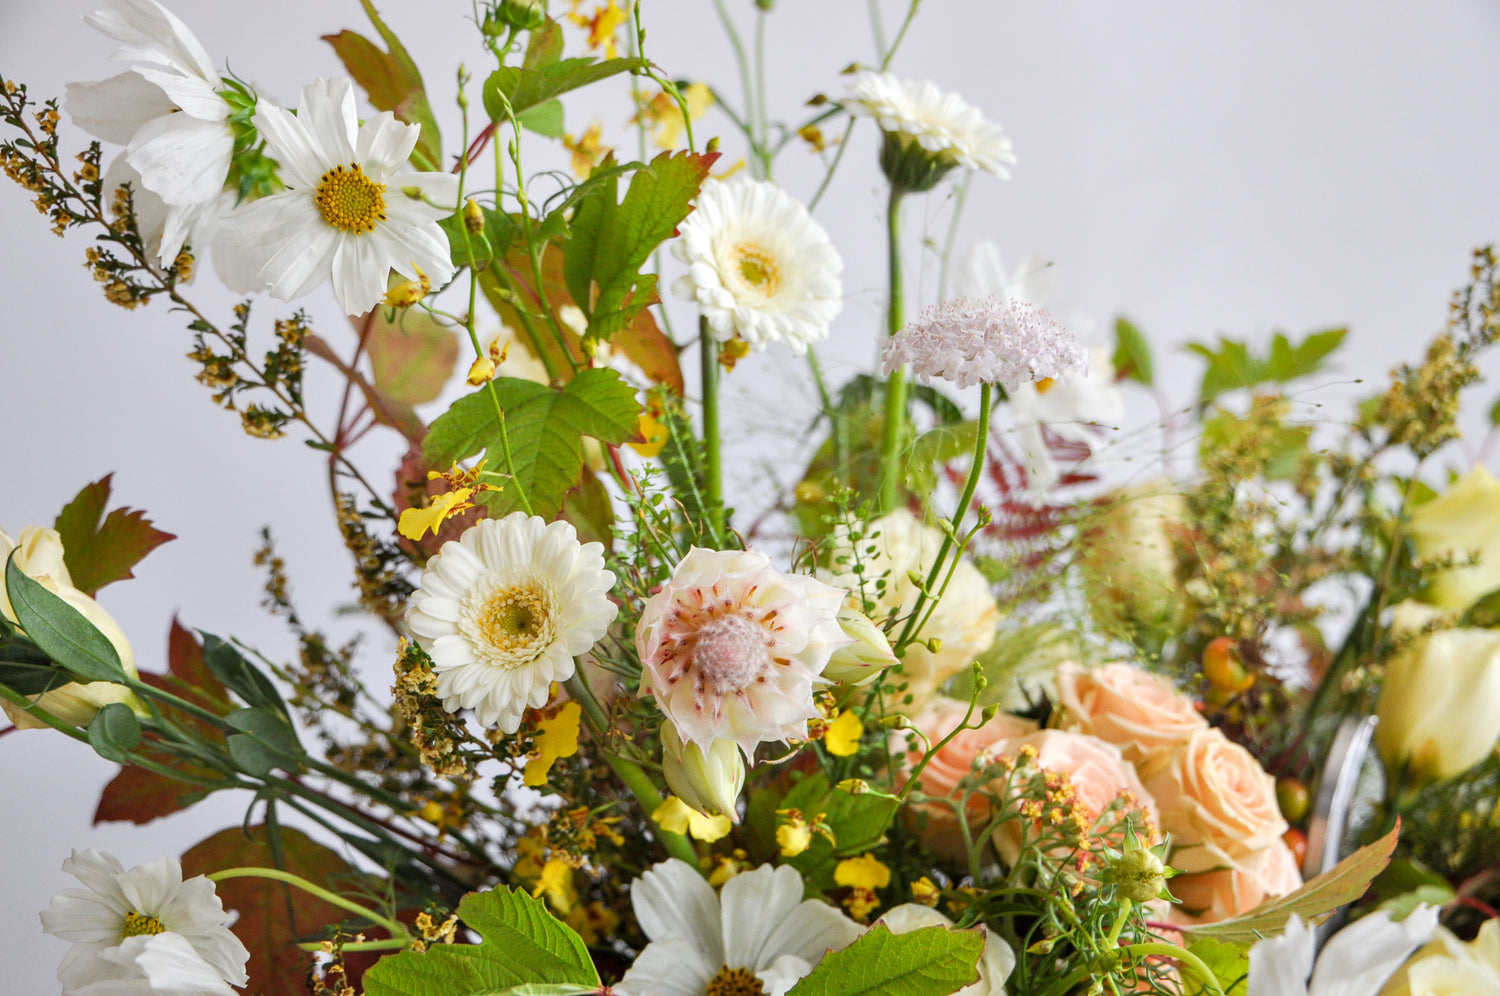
x,y
759,267
353,209
142,931
756,938
731,648
503,611
928,131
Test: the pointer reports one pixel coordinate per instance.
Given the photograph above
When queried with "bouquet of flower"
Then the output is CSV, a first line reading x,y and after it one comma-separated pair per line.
x,y
957,714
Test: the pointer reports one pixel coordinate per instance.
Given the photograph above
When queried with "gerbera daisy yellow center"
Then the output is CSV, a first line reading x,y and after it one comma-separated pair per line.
x,y
137,924
734,982
730,652
511,625
757,268
350,201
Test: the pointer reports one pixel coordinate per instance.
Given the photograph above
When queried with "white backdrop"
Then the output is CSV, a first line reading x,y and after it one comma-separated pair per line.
x,y
1200,167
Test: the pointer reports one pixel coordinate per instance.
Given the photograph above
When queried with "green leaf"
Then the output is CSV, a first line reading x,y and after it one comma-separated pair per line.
x,y
934,448
61,631
544,428
1287,444
272,735
412,357
1495,414
500,230
610,241
546,119
1341,884
1230,963
544,47
523,945
526,87
858,823
99,549
932,961
392,82
239,675
1233,366
1132,356
114,732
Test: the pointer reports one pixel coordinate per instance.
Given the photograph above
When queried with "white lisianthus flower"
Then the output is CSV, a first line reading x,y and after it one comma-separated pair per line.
x,y
503,611
757,936
928,131
353,210
1446,966
39,555
142,931
995,964
168,113
731,648
986,341
963,621
759,266
1354,962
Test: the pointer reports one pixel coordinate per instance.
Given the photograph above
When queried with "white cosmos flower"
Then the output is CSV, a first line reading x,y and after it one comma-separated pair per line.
x,y
142,924
731,648
1354,962
505,608
348,212
757,936
759,267
942,124
166,111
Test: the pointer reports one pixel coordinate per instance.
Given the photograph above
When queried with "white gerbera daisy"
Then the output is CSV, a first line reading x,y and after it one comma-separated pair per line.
x,y
915,113
505,608
759,267
168,113
985,341
353,209
122,924
731,648
758,936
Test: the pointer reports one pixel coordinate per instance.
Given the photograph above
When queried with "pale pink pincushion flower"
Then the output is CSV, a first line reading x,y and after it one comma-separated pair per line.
x,y
988,341
732,648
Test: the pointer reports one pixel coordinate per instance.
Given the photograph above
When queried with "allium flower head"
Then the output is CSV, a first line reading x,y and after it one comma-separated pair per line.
x,y
759,267
142,931
928,132
504,609
732,648
985,341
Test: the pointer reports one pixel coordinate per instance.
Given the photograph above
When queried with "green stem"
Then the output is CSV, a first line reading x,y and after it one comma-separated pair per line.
x,y
1185,958
31,708
893,433
649,799
396,928
713,470
762,142
743,63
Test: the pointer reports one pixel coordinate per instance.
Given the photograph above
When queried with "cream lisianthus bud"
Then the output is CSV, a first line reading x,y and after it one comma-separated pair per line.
x,y
708,781
39,555
1129,560
866,657
1439,705
1463,525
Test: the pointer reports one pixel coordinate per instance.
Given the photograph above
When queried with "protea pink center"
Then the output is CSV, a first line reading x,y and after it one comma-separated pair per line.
x,y
730,652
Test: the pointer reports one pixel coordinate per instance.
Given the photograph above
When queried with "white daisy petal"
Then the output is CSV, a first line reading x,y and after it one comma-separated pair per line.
x,y
116,108
302,262
328,110
673,899
193,96
384,145
673,966
754,903
297,157
181,158
152,33
941,123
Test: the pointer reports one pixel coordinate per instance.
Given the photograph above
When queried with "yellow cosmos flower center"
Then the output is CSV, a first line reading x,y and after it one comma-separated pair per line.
x,y
734,982
513,625
350,201
757,268
137,924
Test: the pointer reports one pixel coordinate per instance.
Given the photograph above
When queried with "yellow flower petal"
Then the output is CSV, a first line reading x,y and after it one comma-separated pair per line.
x,y
556,883
863,872
602,27
676,816
842,735
793,838
557,736
653,432
416,521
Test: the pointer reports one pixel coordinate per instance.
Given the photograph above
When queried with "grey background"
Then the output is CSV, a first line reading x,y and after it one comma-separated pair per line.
x,y
1200,167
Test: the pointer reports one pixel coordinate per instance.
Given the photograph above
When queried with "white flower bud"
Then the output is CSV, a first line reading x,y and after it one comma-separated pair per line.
x,y
1462,525
710,781
864,658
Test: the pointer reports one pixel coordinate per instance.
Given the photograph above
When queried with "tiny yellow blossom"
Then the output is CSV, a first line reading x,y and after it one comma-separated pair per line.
x,y
664,117
481,372
556,883
409,292
794,835
432,813
557,736
863,872
842,736
602,27
416,521
676,816
924,892
653,432
587,149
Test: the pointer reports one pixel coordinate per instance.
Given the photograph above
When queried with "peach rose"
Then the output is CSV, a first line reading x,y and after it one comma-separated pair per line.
x,y
1140,713
1217,802
1239,887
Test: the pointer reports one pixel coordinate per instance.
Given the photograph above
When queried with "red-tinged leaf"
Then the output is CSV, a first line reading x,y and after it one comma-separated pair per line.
x,y
274,918
387,410
649,348
185,662
392,82
137,795
101,552
412,357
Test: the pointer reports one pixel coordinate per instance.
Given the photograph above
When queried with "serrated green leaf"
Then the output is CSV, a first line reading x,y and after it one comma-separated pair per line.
x,y
523,945
546,119
543,428
61,631
1132,356
392,82
932,961
114,732
1230,963
1343,883
1233,365
100,549
526,87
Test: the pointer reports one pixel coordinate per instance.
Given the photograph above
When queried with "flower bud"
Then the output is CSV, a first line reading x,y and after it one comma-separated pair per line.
x,y
481,372
708,781
868,653
473,217
1139,873
1439,705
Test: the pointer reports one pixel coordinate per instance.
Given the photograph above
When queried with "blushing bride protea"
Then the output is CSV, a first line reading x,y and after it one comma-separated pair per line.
x,y
758,936
503,611
731,648
759,267
987,341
